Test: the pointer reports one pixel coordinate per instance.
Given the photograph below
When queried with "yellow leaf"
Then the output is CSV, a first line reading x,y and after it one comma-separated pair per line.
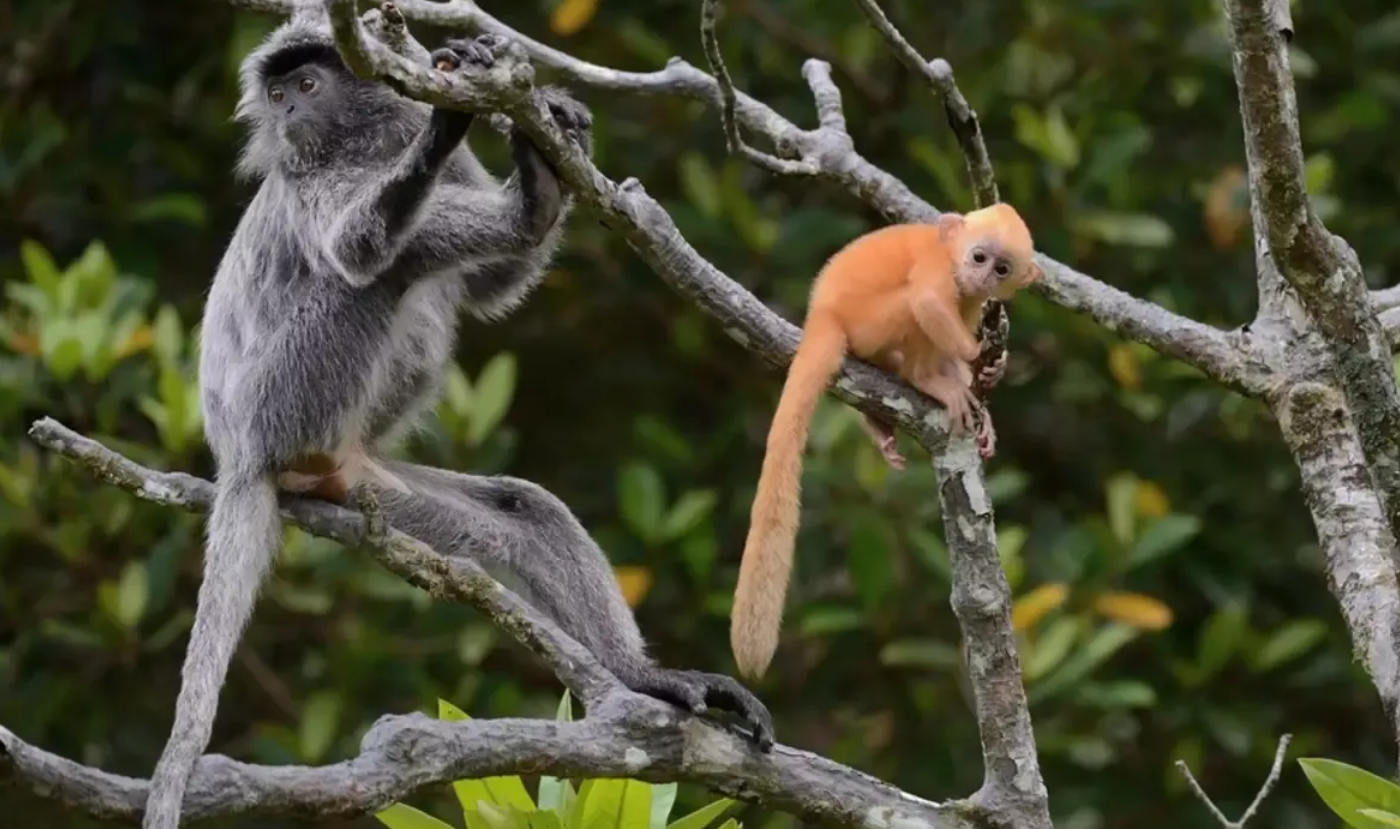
x,y
26,344
1122,364
634,581
1134,609
571,15
1151,500
140,340
1227,206
1033,606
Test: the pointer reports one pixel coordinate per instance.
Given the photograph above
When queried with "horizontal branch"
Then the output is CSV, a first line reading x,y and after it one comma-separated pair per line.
x,y
838,162
623,735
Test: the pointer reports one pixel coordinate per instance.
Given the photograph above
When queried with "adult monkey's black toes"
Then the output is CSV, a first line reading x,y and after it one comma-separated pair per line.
x,y
696,692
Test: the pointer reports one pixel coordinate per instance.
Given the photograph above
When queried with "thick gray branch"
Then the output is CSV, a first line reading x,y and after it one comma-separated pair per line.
x,y
1321,269
836,157
981,597
1351,528
623,735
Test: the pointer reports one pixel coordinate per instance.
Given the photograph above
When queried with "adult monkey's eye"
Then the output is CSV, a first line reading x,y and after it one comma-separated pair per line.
x,y
308,84
276,94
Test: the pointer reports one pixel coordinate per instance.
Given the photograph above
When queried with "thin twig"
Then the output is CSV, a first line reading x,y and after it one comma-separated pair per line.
x,y
1269,783
728,101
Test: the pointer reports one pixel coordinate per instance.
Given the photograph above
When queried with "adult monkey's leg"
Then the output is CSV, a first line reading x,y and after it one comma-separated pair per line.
x,y
526,536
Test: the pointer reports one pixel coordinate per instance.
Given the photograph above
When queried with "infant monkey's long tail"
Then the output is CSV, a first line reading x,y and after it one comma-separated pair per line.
x,y
767,563
244,532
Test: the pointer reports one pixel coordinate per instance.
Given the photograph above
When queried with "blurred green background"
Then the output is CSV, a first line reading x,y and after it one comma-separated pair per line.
x,y
1170,593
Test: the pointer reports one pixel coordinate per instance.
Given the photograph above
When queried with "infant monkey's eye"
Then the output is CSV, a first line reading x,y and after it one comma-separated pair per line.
x,y
979,257
1002,269
308,84
276,94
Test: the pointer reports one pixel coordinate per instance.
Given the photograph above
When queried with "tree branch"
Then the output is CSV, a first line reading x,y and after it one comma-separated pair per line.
x,y
981,596
1352,529
1209,351
709,10
623,735
448,578
1320,268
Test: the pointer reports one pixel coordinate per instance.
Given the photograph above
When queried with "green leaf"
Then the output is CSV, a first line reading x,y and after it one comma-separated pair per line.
x,y
565,712
663,797
179,207
509,790
501,816
1051,647
1121,495
689,511
92,276
702,817
495,388
1102,645
505,791
168,336
544,819
1347,789
401,816
1387,818
457,390
1133,229
868,558
614,804
1221,636
818,621
319,718
39,266
699,183
1128,693
1062,148
133,590
1167,534
920,653
61,348
641,495
1290,641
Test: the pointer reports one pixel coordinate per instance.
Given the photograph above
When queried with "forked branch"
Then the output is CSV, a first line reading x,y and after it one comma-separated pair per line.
x,y
623,735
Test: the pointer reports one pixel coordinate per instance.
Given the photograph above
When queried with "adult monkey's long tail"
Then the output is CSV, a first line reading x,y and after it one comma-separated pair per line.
x,y
244,532
767,563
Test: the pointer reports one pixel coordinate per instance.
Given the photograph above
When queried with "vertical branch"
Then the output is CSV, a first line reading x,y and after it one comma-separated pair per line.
x,y
1320,268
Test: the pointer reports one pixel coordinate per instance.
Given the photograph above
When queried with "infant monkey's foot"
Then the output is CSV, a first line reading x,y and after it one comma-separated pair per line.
x,y
992,373
986,436
376,531
460,51
696,691
889,448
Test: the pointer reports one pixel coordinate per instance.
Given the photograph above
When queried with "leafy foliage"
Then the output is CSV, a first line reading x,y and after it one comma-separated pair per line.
x,y
503,802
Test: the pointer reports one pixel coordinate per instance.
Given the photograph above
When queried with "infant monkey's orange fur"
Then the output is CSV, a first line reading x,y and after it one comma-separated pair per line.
x,y
906,298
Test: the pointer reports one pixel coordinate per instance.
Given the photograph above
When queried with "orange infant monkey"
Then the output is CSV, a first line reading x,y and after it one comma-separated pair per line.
x,y
905,298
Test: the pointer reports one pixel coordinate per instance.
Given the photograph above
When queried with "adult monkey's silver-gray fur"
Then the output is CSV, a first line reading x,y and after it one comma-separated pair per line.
x,y
327,329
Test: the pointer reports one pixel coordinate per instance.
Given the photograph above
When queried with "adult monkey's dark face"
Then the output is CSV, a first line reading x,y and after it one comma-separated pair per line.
x,y
302,103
